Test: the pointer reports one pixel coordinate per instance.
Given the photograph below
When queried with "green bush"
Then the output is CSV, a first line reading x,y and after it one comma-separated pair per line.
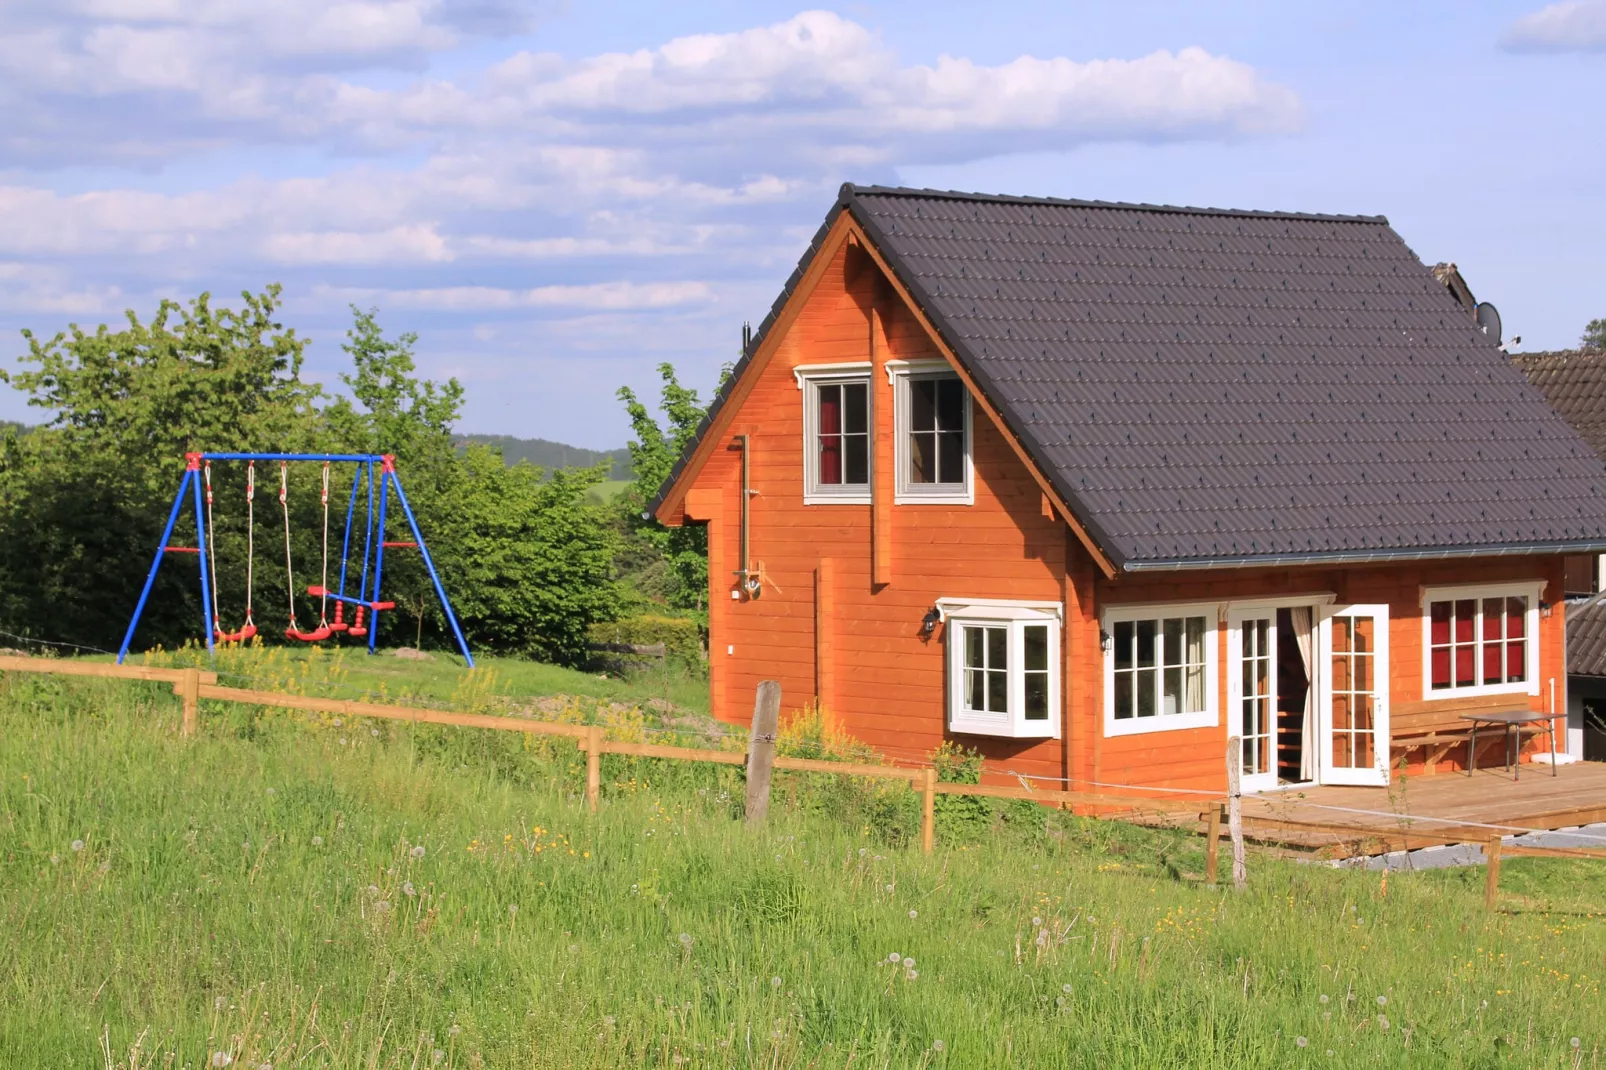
x,y
681,636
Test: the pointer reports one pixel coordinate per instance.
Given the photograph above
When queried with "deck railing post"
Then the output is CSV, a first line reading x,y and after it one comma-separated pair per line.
x,y
189,692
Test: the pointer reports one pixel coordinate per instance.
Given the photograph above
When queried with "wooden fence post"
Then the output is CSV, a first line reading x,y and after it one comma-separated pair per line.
x,y
1212,845
189,690
593,746
1491,877
928,812
761,750
1235,813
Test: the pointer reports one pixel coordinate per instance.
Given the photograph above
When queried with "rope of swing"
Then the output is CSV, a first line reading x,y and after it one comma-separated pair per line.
x,y
323,605
289,573
211,547
250,539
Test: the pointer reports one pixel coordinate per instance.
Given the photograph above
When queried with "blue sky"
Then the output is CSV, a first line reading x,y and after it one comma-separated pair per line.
x,y
558,198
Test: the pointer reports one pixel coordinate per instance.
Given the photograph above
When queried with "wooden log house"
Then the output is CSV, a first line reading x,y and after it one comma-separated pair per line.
x,y
1093,487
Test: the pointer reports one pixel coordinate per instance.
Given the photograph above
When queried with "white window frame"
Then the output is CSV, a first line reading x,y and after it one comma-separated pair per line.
x,y
1210,716
1529,589
810,377
1015,616
901,373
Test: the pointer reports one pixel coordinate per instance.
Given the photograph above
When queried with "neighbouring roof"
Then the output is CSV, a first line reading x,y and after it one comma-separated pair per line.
x,y
1574,382
1586,637
1228,387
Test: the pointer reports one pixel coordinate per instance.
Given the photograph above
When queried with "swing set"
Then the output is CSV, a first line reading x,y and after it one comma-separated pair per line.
x,y
197,483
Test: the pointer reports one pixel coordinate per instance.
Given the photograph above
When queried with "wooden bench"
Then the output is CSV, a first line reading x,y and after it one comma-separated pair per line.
x,y
1436,724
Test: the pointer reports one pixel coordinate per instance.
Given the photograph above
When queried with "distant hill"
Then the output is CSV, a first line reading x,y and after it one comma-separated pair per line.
x,y
544,454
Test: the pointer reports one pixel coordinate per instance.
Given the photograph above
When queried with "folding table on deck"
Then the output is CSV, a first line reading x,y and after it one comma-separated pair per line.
x,y
1511,722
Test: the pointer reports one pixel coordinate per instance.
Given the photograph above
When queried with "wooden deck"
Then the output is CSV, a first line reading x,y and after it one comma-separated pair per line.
x,y
1425,811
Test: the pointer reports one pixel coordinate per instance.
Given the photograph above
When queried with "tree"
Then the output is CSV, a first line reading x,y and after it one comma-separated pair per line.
x,y
83,499
1594,335
668,563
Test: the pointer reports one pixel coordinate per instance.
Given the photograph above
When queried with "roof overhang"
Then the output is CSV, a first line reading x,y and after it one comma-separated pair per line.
x,y
1366,557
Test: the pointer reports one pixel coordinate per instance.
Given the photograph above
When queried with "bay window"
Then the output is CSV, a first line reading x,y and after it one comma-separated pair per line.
x,y
1003,667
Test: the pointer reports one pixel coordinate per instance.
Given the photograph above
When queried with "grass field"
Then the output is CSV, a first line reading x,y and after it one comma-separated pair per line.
x,y
304,892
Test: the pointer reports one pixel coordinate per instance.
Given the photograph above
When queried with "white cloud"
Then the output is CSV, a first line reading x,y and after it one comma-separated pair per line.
x,y
605,296
1569,26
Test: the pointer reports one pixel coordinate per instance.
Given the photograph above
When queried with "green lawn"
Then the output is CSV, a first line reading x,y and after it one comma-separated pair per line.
x,y
315,893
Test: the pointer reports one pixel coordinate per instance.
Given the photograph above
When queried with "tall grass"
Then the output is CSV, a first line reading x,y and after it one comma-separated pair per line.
x,y
297,892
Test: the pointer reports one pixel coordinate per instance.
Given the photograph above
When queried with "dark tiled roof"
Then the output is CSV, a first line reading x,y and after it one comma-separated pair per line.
x,y
1574,382
1218,387
1586,637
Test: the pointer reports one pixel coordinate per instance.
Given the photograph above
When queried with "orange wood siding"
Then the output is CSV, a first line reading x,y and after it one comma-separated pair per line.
x,y
839,619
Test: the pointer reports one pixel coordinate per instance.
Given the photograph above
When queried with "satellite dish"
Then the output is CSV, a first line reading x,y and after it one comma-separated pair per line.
x,y
1489,319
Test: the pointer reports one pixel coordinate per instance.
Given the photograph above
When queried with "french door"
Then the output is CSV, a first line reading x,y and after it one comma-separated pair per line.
x,y
1353,746
1252,694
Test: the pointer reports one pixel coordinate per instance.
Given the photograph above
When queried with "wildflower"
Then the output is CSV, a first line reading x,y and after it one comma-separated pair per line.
x,y
1383,1023
407,889
913,914
1037,921
512,908
894,958
889,888
78,845
1301,1041
1322,998
911,975
417,852
685,940
1382,1001
342,741
317,841
937,1045
909,963
1066,989
335,722
373,731
221,1058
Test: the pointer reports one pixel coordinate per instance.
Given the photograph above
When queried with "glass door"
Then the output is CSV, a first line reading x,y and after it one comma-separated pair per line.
x,y
1252,694
1353,703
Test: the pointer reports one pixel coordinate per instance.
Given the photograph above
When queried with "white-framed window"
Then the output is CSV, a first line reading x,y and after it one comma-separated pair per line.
x,y
1159,668
1481,640
1003,667
837,447
932,410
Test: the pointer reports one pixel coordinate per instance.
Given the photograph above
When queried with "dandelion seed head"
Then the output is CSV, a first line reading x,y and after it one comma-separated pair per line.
x,y
438,1055
55,860
1059,1001
219,1003
342,741
913,914
317,841
417,852
1037,921
889,887
1066,989
909,963
685,939
1382,1001
512,908
1383,1023
373,731
894,957
1575,1042
221,1058
1302,1041
78,845
454,1030
775,982
937,1045
1322,998
408,889
273,791
912,975
382,906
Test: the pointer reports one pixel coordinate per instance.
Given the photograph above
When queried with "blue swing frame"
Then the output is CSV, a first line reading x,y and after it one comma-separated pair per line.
x,y
372,548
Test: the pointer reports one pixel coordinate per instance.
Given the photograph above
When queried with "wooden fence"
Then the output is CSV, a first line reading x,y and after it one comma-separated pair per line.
x,y
192,685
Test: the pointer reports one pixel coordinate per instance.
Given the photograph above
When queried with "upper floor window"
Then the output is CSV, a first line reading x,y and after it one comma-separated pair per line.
x,y
1159,667
933,428
836,435
1481,639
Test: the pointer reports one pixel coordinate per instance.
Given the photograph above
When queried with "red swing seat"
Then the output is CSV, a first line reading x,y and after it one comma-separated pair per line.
x,y
317,635
245,633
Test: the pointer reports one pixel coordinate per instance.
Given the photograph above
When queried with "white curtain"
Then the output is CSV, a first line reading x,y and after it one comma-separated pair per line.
x,y
1302,618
